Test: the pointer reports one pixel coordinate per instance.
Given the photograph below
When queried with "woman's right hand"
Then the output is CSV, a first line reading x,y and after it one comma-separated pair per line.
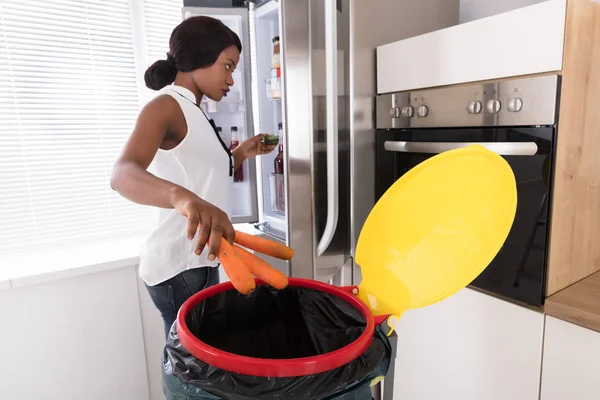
x,y
212,222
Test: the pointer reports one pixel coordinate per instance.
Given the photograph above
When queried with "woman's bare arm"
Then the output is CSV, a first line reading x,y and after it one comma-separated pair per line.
x,y
130,176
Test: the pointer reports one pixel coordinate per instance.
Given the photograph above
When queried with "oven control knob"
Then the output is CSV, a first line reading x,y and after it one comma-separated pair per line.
x,y
494,106
514,105
422,111
474,107
395,112
407,112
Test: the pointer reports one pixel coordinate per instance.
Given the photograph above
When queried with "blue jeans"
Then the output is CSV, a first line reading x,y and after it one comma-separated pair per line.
x,y
169,296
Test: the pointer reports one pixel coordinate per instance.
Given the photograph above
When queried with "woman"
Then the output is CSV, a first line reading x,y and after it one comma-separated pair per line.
x,y
176,161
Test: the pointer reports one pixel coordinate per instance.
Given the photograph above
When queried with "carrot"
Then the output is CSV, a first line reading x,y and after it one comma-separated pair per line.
x,y
261,269
263,246
238,273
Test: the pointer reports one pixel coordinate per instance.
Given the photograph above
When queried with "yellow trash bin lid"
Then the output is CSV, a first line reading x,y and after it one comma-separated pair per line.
x,y
435,230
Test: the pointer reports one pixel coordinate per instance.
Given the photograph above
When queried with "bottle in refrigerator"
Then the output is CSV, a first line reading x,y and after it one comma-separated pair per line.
x,y
279,168
238,174
235,141
278,163
276,57
274,83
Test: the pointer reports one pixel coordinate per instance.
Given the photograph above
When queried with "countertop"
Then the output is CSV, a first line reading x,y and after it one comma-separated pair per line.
x,y
578,303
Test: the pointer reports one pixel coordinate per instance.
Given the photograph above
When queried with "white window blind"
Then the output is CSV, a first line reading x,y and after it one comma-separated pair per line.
x,y
68,101
160,18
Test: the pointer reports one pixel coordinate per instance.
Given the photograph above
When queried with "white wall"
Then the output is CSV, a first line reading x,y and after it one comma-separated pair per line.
x,y
73,339
475,9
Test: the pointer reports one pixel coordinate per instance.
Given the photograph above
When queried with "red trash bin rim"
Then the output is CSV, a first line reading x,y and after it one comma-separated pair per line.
x,y
272,367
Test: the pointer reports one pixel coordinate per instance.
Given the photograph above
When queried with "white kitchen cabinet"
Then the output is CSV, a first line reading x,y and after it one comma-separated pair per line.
x,y
469,347
525,41
571,362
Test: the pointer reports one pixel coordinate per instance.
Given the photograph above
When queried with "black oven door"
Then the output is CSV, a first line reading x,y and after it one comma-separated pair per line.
x,y
518,272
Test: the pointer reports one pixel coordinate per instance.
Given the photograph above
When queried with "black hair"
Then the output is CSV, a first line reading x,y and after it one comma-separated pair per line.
x,y
195,43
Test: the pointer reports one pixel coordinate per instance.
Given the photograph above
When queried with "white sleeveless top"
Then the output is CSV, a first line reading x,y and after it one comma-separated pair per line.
x,y
201,164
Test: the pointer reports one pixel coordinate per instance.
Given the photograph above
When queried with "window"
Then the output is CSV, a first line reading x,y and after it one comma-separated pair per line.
x,y
69,97
160,18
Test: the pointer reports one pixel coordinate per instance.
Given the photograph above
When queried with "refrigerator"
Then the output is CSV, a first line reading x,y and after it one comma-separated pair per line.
x,y
323,95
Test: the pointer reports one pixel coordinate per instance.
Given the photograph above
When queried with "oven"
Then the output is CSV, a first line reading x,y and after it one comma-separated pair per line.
x,y
514,118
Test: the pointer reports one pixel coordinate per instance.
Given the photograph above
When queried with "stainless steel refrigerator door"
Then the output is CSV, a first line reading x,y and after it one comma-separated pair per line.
x,y
316,102
245,193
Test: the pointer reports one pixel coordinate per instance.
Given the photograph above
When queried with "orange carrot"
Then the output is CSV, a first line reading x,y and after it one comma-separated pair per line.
x,y
261,269
263,246
238,273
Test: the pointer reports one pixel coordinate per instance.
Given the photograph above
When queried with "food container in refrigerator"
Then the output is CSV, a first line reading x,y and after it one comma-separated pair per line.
x,y
277,194
273,88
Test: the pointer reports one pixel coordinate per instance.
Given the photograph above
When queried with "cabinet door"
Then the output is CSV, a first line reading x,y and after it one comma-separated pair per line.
x,y
571,362
469,347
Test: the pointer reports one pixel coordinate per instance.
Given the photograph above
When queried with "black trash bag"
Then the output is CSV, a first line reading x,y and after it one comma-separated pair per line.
x,y
295,322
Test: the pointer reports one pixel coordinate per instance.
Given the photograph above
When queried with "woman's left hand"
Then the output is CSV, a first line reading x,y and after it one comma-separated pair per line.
x,y
255,147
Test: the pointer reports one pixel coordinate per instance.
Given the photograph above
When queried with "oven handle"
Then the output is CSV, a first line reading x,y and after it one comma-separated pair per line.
x,y
501,148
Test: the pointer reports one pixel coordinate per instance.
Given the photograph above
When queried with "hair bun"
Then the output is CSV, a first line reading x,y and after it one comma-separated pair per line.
x,y
160,74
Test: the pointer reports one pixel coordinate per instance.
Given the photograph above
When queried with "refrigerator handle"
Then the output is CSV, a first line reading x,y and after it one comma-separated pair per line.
x,y
332,124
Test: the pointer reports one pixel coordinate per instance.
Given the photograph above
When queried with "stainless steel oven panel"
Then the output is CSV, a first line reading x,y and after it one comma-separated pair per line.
x,y
519,102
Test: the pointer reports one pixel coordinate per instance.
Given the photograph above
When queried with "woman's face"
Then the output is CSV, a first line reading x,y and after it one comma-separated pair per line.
x,y
214,82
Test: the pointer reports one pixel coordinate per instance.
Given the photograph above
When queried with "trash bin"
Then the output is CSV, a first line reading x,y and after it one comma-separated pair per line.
x,y
433,231
308,341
